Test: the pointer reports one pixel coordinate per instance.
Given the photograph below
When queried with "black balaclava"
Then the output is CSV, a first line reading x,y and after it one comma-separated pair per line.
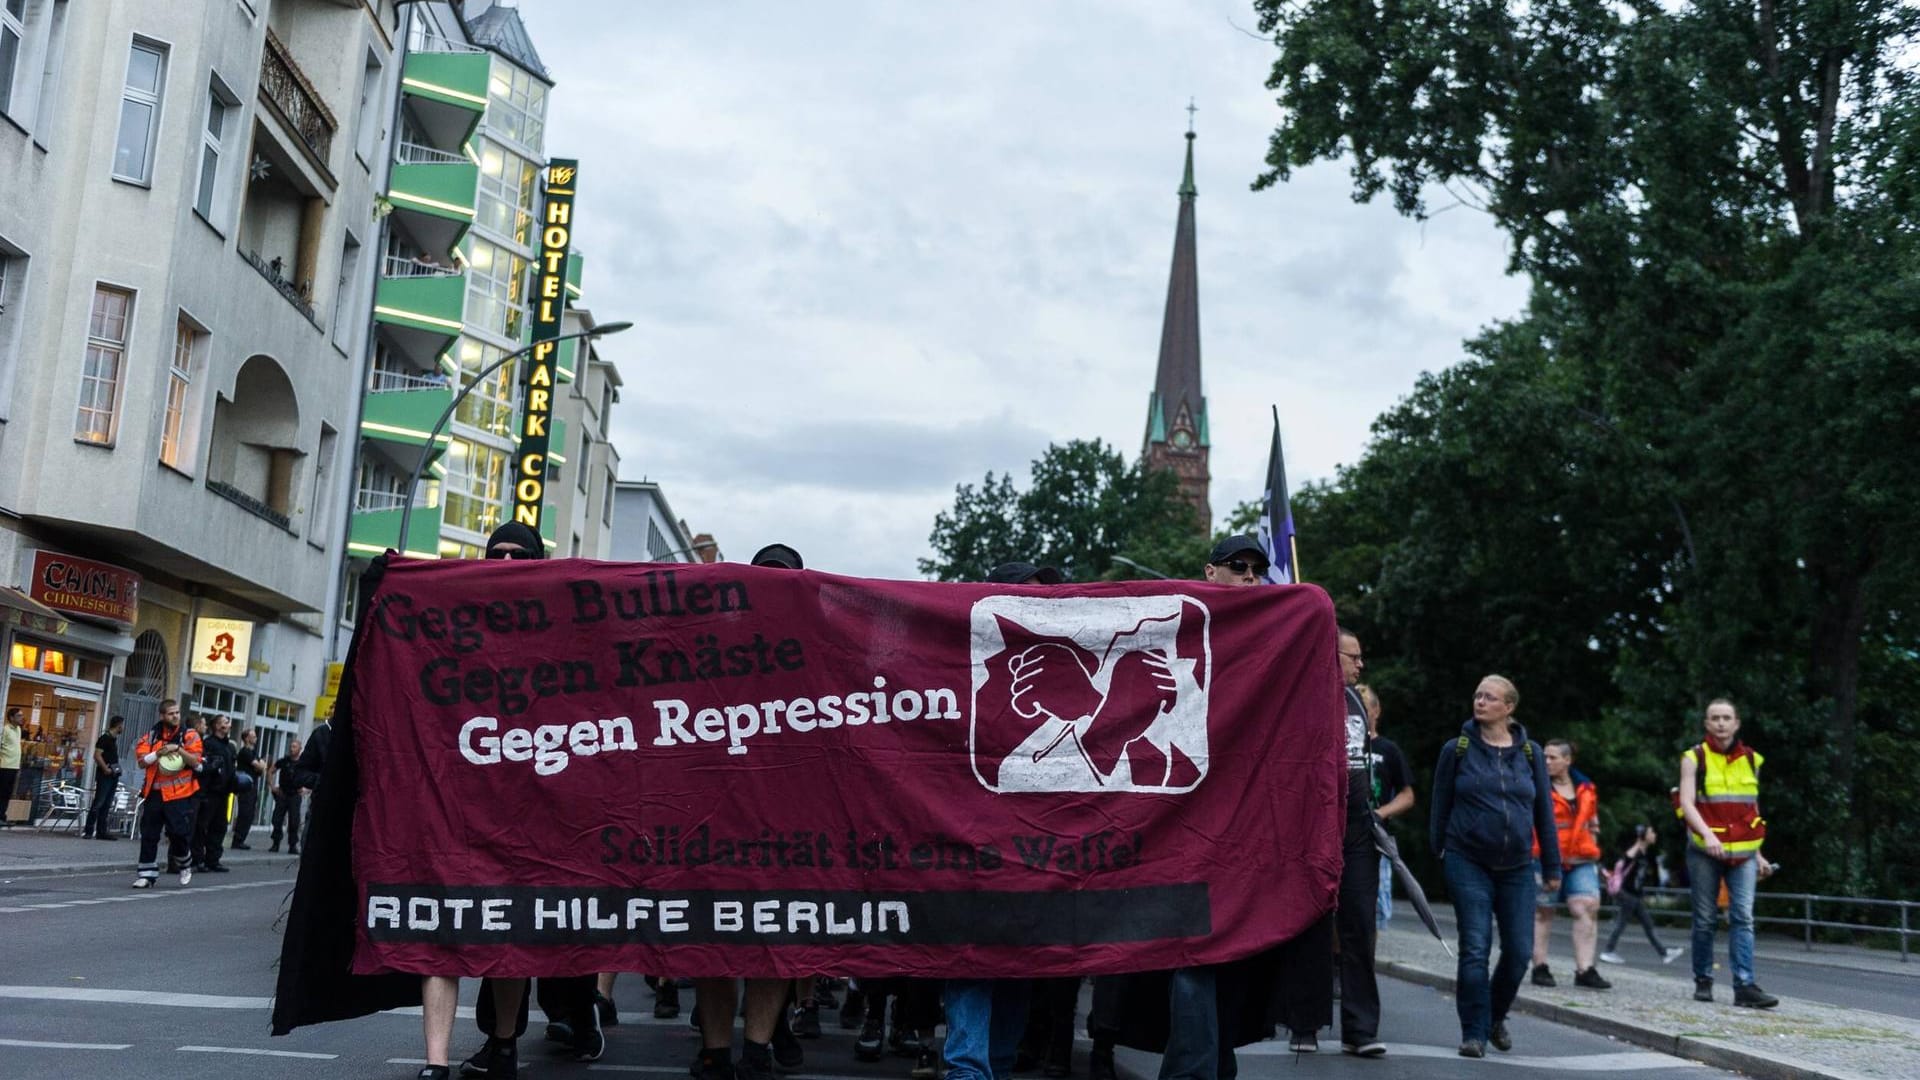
x,y
513,532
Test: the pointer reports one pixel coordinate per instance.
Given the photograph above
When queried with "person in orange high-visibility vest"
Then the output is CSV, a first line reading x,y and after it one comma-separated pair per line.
x,y
1576,817
1720,801
169,752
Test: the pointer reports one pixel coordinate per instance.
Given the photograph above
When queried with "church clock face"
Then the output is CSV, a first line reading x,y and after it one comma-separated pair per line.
x,y
1182,440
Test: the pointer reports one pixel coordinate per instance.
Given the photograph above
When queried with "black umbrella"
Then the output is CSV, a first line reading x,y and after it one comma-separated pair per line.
x,y
1415,894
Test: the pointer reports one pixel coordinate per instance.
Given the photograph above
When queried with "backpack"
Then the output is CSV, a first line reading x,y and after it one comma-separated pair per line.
x,y
1460,748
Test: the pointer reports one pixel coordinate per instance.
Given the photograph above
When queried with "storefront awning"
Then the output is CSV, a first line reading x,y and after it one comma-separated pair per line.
x,y
19,609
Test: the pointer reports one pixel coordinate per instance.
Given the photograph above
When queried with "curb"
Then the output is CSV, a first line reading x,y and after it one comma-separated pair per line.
x,y
42,870
1760,1066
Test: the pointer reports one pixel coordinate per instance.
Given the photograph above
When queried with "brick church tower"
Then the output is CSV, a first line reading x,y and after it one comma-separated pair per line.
x,y
1177,436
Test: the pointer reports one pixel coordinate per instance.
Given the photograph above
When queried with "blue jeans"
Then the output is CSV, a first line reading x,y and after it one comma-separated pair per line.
x,y
1383,911
1193,1029
1704,873
1482,897
985,1018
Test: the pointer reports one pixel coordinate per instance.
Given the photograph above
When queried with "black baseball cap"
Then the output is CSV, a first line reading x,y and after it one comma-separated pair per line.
x,y
1025,573
1237,545
779,555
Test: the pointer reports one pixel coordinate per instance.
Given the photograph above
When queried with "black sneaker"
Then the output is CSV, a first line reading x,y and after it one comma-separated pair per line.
x,y
1100,1064
873,1037
1591,979
1473,1048
823,993
806,1020
787,1052
497,1058
904,1042
236,847
752,1066
1541,977
666,1000
1501,1039
1750,996
1702,989
559,1031
1304,1042
712,1065
927,1065
853,1010
609,1013
588,1041
434,1072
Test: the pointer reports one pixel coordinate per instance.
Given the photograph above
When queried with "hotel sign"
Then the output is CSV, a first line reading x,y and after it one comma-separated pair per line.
x,y
83,587
549,300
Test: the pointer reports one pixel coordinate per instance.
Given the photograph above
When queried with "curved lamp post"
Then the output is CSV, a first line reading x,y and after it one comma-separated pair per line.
x,y
413,481
1148,570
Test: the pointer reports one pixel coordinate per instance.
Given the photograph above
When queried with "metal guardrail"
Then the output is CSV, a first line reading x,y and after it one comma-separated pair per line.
x,y
1902,926
366,500
394,382
411,153
438,44
399,266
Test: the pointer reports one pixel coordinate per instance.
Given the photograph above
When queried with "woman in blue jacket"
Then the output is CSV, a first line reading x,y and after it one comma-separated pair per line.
x,y
1491,797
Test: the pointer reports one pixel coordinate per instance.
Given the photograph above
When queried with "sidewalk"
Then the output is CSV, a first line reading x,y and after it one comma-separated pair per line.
x,y
1800,1040
33,852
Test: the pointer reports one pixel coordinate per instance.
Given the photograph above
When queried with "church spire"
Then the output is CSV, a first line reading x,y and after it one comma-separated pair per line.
x,y
1177,436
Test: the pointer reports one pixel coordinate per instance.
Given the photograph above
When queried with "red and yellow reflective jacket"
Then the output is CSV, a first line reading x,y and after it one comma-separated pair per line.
x,y
1726,791
171,786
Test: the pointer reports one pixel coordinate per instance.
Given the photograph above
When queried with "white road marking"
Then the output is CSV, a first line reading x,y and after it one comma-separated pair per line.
x,y
150,894
32,1044
1623,1061
133,997
254,1052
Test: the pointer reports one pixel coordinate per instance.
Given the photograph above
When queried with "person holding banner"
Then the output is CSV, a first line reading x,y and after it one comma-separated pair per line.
x,y
1491,796
573,1016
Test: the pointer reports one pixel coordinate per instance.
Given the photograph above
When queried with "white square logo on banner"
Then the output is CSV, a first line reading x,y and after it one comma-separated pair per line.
x,y
1090,693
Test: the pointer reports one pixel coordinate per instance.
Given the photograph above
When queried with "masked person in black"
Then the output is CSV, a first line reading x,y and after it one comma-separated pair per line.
x,y
501,1009
217,776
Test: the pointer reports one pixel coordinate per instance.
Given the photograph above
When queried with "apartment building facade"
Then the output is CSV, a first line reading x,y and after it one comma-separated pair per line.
x,y
188,214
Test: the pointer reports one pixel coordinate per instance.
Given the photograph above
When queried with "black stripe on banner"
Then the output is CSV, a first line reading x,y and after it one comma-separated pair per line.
x,y
558,915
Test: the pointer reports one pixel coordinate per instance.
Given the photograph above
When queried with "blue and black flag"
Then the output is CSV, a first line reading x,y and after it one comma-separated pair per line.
x,y
1276,518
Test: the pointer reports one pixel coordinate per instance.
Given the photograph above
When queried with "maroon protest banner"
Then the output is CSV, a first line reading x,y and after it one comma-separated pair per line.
x,y
573,766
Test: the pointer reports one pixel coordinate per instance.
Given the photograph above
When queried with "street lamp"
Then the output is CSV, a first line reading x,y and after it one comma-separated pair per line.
x,y
1148,570
413,481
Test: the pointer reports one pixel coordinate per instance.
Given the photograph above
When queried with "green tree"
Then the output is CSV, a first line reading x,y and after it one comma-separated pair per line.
x,y
1683,472
1083,506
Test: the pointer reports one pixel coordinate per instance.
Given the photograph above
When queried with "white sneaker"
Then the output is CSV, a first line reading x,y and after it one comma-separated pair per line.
x,y
143,883
1673,953
186,876
1611,958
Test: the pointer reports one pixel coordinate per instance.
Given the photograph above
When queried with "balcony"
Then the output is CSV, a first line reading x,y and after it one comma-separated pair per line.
x,y
417,308
445,84
433,193
374,525
398,411
292,101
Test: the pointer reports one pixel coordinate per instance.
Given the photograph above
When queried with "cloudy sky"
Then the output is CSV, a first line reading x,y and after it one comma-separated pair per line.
x,y
877,249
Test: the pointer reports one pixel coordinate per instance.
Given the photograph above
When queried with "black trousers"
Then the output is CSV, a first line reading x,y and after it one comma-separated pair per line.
x,y
1050,1014
175,819
1633,907
101,810
1355,924
286,819
247,805
564,999
209,828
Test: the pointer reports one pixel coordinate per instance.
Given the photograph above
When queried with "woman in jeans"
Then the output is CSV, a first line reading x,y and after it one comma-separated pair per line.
x,y
1491,796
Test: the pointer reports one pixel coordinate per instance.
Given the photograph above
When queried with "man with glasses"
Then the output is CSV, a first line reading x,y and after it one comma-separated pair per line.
x,y
1359,874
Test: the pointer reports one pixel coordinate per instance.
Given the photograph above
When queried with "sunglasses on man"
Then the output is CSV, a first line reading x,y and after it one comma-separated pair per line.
x,y
1245,566
503,553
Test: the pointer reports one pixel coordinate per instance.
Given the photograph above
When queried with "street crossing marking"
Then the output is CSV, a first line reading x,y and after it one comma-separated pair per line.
x,y
1621,1061
38,1045
254,1051
100,995
150,894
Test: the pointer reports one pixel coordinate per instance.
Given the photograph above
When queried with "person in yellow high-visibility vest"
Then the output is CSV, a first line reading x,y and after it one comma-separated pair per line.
x,y
1720,801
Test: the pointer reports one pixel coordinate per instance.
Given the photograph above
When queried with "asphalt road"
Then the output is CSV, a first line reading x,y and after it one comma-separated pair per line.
x,y
1778,968
101,981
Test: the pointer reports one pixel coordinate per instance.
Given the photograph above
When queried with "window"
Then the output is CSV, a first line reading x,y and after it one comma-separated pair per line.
x,y
107,326
490,406
220,105
13,31
367,127
343,290
495,289
475,487
657,547
606,501
322,501
586,457
507,185
177,427
210,701
277,713
13,287
140,113
517,105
